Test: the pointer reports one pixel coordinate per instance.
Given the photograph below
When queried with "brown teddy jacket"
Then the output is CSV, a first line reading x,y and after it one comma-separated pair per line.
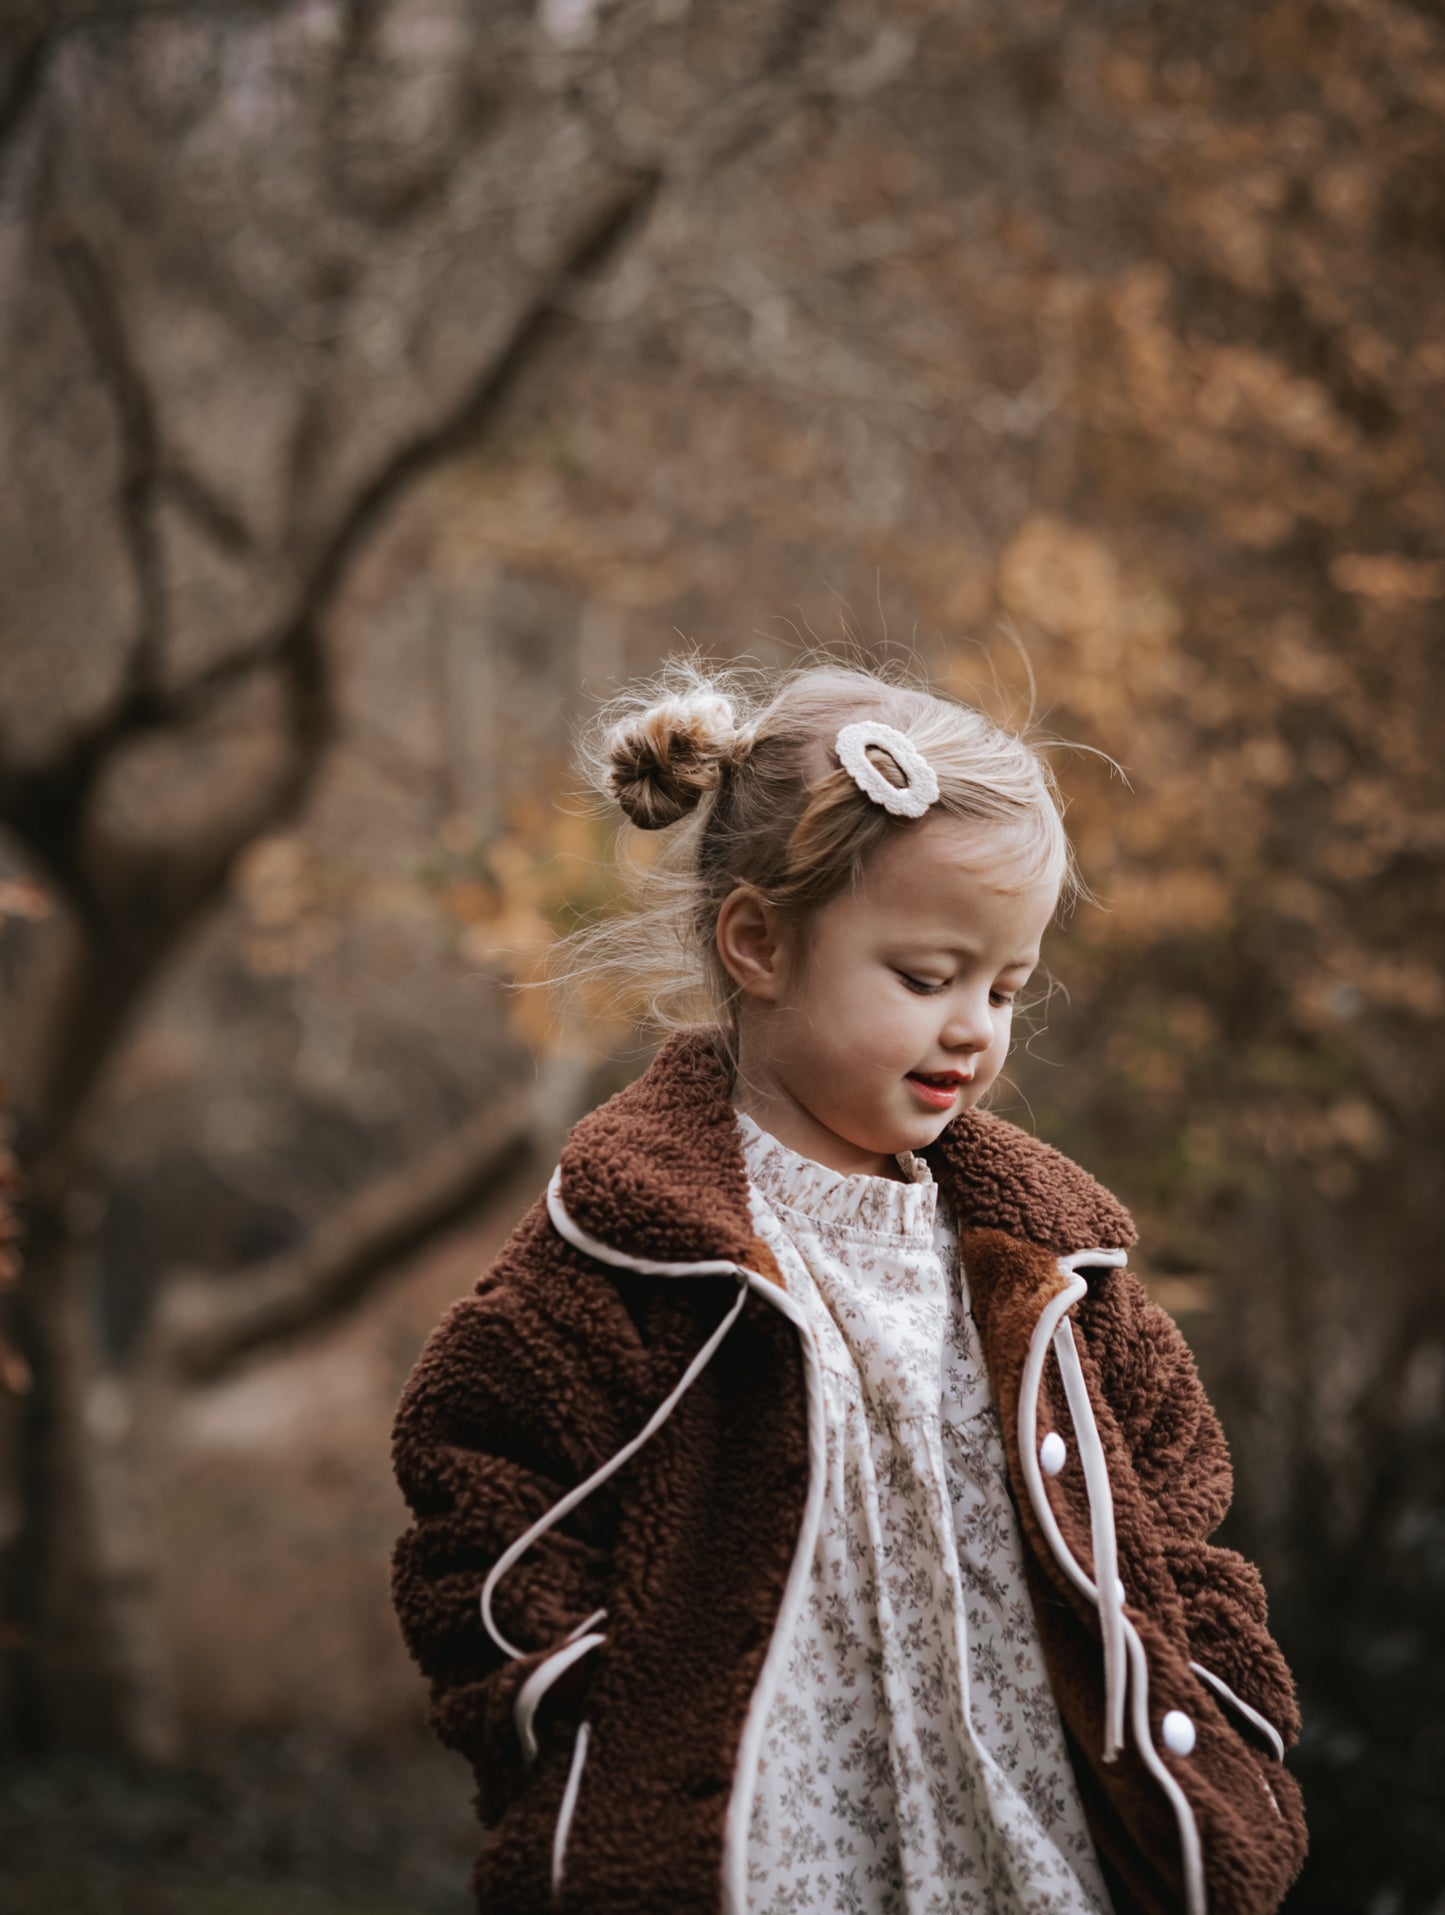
x,y
612,1450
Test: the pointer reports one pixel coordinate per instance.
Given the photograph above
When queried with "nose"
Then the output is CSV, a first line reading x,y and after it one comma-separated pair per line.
x,y
969,1026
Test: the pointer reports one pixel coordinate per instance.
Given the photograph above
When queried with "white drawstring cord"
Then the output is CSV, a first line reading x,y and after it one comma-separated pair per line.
x,y
569,1805
578,1642
529,1696
1260,1722
614,1463
1101,1526
588,1622
604,1253
1183,1814
1050,1326
735,1880
1114,1664
567,1227
575,1644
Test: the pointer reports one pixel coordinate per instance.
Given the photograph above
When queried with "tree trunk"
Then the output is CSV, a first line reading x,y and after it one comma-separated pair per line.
x,y
64,1682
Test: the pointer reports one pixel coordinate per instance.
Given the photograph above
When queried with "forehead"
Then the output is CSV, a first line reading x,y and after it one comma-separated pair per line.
x,y
947,878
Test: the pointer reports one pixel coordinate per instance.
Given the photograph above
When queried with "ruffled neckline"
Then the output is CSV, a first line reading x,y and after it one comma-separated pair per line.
x,y
861,1204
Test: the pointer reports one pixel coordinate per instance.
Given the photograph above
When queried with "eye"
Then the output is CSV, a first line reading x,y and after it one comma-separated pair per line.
x,y
917,985
1003,997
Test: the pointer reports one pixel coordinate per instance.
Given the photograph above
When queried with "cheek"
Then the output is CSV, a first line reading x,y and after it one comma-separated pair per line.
x,y
863,1021
1002,1033
898,1031
850,996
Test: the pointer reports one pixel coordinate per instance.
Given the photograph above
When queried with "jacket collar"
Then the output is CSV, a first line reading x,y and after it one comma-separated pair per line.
x,y
658,1171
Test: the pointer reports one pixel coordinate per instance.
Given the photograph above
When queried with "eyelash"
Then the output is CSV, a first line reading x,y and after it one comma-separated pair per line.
x,y
921,989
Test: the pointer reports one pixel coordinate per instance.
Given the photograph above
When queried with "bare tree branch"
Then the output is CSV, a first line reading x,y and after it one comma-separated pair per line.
x,y
545,316
207,1325
221,522
43,804
93,296
25,70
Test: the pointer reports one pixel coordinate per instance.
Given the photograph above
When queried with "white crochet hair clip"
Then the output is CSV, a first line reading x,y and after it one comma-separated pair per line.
x,y
904,801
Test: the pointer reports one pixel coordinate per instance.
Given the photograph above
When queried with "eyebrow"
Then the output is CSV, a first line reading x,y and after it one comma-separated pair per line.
x,y
965,951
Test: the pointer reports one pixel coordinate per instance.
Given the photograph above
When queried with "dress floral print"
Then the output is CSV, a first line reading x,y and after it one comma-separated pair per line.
x,y
913,1761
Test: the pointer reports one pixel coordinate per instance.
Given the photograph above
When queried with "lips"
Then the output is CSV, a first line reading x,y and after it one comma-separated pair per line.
x,y
939,1090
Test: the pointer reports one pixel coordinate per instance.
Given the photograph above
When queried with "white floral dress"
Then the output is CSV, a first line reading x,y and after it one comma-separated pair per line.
x,y
913,1760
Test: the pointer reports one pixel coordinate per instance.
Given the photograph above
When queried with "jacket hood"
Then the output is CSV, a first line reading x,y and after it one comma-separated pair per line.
x,y
658,1170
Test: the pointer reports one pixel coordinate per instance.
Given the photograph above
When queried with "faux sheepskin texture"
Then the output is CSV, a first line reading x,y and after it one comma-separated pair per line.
x,y
556,1360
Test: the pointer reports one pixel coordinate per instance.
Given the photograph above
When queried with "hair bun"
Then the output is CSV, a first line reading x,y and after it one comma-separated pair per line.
x,y
665,758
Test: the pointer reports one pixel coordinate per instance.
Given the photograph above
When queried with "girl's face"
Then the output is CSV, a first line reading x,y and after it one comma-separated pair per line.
x,y
914,974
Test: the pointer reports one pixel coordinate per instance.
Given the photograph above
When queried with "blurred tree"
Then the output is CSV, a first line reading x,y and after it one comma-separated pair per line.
x,y
273,269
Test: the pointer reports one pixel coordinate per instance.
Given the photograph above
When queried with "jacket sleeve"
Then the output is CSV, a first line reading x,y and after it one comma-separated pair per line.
x,y
523,1389
1181,1458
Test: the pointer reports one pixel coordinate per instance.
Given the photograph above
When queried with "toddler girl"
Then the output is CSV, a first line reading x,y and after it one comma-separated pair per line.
x,y
811,1508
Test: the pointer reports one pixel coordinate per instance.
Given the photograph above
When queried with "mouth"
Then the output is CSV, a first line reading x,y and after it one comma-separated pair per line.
x,y
939,1088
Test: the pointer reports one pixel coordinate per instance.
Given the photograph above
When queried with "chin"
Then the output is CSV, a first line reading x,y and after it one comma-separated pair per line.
x,y
920,1136
898,1137
931,1128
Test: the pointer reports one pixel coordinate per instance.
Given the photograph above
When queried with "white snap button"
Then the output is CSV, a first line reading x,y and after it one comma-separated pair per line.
x,y
1052,1452
1178,1732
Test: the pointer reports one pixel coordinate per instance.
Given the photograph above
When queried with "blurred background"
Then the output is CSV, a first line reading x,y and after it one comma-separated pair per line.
x,y
381,385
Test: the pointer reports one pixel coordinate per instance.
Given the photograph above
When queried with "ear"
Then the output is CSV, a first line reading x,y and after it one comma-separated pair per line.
x,y
752,945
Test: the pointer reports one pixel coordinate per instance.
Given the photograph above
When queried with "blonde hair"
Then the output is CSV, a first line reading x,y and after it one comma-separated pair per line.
x,y
736,765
